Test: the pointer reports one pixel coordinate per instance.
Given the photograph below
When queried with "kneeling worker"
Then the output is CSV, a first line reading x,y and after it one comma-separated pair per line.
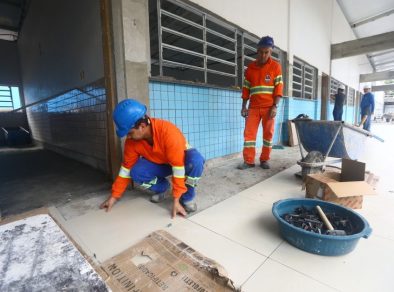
x,y
155,149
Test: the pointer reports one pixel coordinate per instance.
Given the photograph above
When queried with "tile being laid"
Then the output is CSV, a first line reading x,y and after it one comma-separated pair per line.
x,y
246,221
106,234
239,261
273,276
368,268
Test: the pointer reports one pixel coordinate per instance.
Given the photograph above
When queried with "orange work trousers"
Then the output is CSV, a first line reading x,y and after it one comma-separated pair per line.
x,y
255,115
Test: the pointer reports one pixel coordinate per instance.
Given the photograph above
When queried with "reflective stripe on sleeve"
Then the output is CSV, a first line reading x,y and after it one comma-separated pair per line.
x,y
124,172
246,84
278,79
178,171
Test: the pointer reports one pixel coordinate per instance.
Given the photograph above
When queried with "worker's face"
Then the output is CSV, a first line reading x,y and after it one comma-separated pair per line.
x,y
366,90
136,133
263,54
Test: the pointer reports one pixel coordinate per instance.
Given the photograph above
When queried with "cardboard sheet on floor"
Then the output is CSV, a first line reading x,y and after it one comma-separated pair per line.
x,y
36,255
161,262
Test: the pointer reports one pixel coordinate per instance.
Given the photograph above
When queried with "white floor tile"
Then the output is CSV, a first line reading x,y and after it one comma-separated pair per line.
x,y
239,262
246,221
368,268
273,276
380,218
107,234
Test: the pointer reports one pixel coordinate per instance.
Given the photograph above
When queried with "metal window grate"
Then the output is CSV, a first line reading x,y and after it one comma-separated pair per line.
x,y
334,84
189,44
193,45
6,98
304,80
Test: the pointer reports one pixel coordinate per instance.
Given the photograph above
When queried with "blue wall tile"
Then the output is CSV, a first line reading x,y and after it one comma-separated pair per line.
x,y
210,117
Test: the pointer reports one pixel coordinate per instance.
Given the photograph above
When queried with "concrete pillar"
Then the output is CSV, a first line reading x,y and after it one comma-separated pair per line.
x,y
135,16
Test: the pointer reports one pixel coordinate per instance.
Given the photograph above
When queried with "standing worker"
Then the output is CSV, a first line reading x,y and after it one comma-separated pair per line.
x,y
367,107
155,149
263,88
339,101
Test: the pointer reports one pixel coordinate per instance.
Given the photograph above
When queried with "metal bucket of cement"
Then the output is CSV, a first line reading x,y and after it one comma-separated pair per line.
x,y
322,244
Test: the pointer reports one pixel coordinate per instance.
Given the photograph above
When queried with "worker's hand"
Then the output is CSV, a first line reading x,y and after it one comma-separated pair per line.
x,y
108,203
273,112
177,208
244,112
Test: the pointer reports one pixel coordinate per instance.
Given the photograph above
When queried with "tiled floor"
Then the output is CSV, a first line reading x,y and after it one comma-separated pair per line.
x,y
241,234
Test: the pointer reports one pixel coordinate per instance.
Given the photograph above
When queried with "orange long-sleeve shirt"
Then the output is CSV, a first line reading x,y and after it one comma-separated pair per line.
x,y
169,147
262,84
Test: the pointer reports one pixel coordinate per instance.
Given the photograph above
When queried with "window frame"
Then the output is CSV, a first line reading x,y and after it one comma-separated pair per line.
x,y
9,98
305,69
334,84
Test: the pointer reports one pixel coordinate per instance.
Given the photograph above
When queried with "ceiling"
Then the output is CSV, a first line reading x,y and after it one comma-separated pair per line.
x,y
368,18
12,13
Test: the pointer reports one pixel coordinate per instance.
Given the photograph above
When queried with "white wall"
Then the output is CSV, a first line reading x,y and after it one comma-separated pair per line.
x,y
260,17
60,47
346,70
311,32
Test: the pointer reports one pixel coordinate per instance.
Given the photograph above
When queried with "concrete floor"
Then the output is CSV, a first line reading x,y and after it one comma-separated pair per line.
x,y
33,178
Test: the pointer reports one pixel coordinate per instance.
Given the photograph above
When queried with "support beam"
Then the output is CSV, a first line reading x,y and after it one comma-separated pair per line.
x,y
371,18
381,54
387,67
361,46
384,63
377,76
382,87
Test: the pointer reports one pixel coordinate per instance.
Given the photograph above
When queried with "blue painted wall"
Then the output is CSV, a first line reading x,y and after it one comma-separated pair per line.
x,y
210,117
347,116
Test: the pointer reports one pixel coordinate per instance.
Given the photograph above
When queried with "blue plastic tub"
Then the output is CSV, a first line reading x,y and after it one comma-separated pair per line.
x,y
329,245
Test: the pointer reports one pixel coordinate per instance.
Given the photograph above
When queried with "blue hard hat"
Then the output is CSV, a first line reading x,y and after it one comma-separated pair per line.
x,y
126,114
266,42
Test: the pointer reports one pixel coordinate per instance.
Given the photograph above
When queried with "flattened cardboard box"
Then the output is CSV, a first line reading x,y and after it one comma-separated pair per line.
x,y
328,187
160,262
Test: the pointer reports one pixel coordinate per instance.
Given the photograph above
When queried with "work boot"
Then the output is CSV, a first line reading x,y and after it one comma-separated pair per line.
x,y
159,197
245,166
190,206
264,165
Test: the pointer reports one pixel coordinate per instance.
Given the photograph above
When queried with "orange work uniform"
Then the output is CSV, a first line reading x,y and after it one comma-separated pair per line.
x,y
169,147
261,85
